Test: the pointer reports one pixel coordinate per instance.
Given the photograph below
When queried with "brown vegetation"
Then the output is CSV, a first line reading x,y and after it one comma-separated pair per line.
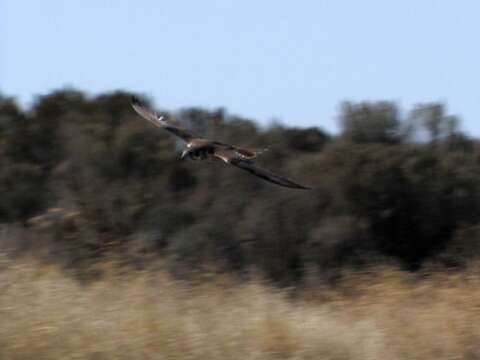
x,y
88,177
384,314
84,181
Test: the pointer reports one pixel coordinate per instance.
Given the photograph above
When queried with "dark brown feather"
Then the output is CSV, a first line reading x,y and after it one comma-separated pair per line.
x,y
158,121
266,174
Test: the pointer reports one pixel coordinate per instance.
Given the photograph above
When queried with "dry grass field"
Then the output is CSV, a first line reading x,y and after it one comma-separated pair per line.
x,y
45,314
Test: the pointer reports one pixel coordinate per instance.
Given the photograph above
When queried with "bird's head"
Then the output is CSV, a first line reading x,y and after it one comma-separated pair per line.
x,y
185,152
194,153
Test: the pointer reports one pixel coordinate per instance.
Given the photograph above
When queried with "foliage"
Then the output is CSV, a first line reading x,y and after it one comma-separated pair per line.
x,y
382,188
385,314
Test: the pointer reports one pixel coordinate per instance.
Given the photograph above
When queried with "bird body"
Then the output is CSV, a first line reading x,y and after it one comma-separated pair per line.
x,y
199,148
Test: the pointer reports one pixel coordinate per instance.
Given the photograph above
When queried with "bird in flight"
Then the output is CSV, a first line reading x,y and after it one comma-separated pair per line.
x,y
198,148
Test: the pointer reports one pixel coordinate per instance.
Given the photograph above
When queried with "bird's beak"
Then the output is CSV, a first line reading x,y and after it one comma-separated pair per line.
x,y
184,153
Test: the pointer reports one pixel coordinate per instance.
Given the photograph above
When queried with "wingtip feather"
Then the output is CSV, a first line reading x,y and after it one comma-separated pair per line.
x,y
135,100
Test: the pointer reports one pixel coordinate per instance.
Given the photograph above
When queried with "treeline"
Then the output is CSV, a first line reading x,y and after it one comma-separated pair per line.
x,y
82,178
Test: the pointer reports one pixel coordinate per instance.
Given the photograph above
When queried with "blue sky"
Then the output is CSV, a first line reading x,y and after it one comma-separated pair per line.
x,y
285,60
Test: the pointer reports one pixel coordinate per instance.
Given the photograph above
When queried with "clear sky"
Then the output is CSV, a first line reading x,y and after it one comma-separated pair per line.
x,y
290,60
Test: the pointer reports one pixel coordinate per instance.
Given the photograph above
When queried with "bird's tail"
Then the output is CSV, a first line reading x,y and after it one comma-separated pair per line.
x,y
250,153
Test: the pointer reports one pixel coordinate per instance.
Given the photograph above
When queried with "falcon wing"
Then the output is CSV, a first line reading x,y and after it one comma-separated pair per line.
x,y
230,157
158,121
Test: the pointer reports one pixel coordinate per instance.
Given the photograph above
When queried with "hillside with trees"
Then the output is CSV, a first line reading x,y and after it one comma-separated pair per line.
x,y
82,178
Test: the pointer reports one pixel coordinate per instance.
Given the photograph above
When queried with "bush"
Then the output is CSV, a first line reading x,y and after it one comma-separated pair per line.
x,y
377,192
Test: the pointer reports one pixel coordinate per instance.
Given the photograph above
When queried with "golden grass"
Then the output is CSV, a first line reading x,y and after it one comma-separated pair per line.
x,y
147,315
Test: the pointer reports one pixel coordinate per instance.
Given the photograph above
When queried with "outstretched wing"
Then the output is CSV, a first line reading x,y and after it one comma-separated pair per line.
x,y
230,157
158,121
